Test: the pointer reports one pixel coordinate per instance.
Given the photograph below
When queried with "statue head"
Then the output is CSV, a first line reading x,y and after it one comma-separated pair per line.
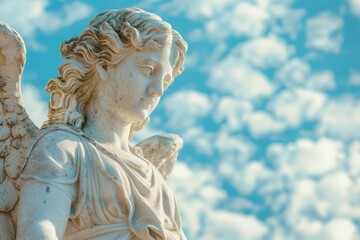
x,y
110,37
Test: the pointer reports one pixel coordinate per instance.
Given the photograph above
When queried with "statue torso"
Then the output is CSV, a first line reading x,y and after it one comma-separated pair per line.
x,y
123,195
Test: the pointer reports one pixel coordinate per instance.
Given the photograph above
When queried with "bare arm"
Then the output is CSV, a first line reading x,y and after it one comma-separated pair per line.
x,y
43,211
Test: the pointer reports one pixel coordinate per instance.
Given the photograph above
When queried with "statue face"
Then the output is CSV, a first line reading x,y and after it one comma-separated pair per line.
x,y
134,86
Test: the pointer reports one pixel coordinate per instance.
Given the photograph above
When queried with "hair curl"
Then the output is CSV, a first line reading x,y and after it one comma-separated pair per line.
x,y
110,37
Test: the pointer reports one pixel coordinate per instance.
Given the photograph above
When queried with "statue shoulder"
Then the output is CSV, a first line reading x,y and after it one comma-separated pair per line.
x,y
53,155
56,136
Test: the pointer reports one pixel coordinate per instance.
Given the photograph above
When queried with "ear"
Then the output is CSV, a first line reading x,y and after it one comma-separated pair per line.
x,y
102,70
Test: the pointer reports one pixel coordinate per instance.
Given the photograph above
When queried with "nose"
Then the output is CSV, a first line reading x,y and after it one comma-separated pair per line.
x,y
156,88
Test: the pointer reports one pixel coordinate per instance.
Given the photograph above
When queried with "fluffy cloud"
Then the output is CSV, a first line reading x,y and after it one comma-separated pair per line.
x,y
227,225
294,72
200,139
249,18
191,188
239,79
233,111
307,186
185,107
306,157
288,109
252,178
199,195
341,119
284,18
323,32
261,123
202,9
265,52
35,106
355,7
234,152
321,81
312,213
27,17
354,78
296,106
340,228
354,159
316,192
298,73
243,19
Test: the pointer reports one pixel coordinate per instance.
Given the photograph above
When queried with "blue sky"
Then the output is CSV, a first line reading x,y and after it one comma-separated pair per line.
x,y
268,107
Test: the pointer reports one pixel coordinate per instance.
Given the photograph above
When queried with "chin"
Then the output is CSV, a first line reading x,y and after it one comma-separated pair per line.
x,y
141,116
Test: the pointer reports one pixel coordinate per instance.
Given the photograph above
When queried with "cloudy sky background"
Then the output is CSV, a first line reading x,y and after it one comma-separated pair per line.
x,y
269,109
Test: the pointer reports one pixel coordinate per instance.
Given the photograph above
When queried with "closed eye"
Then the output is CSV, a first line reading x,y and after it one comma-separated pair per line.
x,y
148,70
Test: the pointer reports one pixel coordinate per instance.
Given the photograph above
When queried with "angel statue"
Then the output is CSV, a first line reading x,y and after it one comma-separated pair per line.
x,y
78,177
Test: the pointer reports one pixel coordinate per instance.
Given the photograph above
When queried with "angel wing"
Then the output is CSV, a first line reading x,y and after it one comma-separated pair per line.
x,y
16,128
162,151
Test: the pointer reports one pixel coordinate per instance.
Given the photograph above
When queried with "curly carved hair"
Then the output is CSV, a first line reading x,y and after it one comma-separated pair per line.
x,y
110,37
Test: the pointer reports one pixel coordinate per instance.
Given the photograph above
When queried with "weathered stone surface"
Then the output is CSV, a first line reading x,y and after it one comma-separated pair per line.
x,y
111,81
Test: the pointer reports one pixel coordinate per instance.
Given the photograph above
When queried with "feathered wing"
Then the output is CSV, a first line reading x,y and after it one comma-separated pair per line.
x,y
16,128
162,151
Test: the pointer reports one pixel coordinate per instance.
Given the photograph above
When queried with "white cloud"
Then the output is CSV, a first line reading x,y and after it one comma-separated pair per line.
x,y
306,157
261,123
340,118
296,106
234,152
321,81
298,73
294,72
197,191
197,35
340,228
354,78
27,17
191,60
200,139
252,177
323,32
35,106
311,214
185,107
239,79
227,225
354,159
288,109
222,18
231,18
187,183
196,10
335,188
355,7
265,52
233,111
284,18
242,19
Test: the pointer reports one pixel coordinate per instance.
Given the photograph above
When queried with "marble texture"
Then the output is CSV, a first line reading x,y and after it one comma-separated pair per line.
x,y
78,177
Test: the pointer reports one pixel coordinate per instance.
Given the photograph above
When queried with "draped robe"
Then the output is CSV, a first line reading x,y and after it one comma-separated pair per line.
x,y
119,196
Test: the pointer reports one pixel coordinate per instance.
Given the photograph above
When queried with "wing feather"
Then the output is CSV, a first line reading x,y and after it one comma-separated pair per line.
x,y
8,195
162,151
8,226
16,128
2,171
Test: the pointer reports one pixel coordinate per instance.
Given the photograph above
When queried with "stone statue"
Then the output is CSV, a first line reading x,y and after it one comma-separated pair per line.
x,y
78,177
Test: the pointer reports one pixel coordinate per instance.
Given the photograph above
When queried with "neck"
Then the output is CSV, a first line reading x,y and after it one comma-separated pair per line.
x,y
105,128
